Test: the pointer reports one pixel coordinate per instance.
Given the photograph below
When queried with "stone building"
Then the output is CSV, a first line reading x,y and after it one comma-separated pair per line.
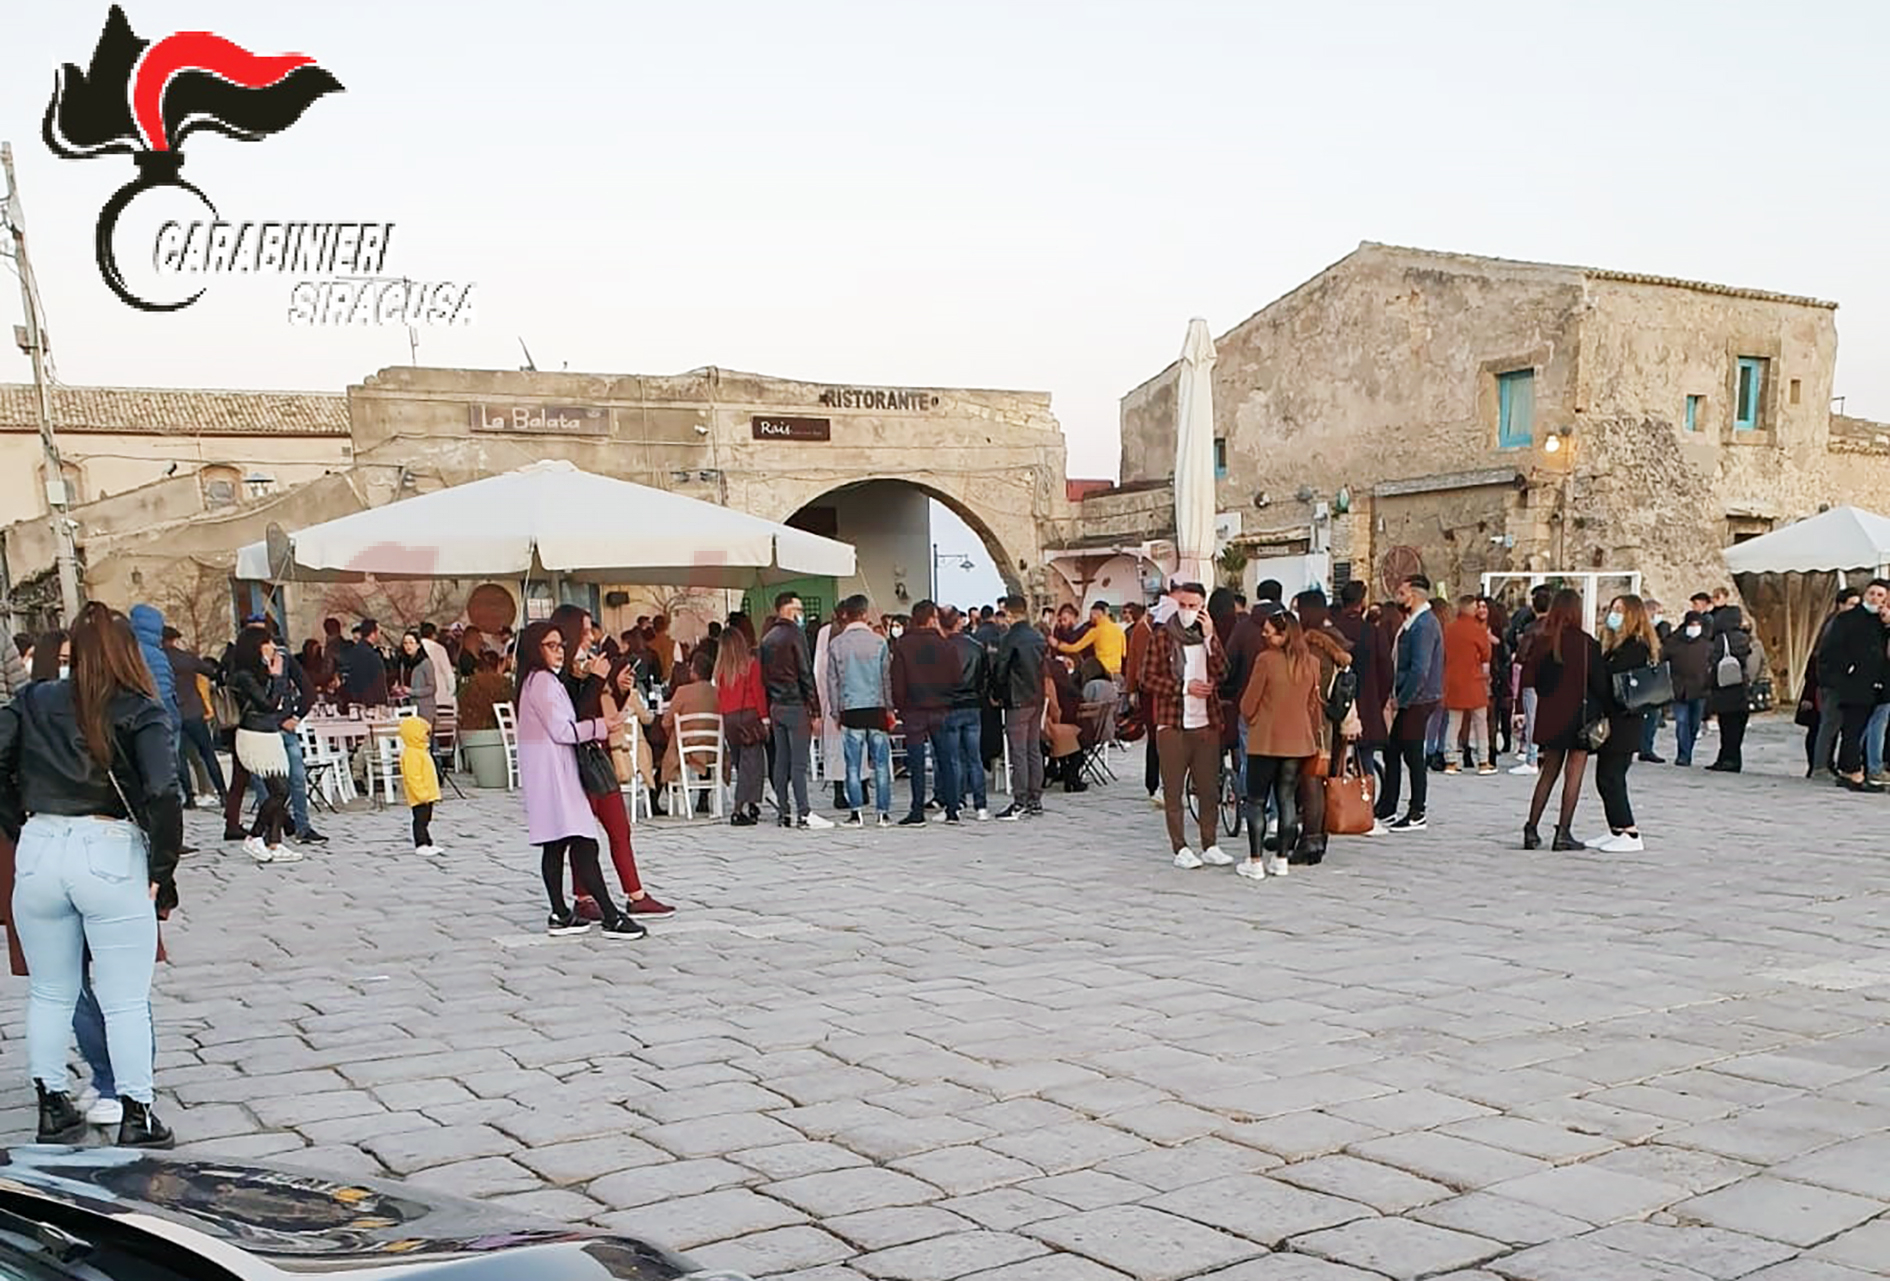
x,y
1408,409
855,463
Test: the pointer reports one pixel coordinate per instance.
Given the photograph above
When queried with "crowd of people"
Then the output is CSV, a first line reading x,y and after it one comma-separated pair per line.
x,y
109,732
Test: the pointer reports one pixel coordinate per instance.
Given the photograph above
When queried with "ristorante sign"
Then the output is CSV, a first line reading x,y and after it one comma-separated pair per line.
x,y
877,398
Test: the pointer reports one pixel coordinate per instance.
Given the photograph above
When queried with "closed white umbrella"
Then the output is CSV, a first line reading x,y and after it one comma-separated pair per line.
x,y
1194,456
552,518
1840,539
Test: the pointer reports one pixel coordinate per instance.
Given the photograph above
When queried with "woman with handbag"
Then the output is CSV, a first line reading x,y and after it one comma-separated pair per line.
x,y
1630,647
1732,655
742,699
1338,712
93,763
583,678
622,697
558,815
1564,666
1282,707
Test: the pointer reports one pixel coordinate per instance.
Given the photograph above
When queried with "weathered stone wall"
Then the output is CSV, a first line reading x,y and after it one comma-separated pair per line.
x,y
1381,368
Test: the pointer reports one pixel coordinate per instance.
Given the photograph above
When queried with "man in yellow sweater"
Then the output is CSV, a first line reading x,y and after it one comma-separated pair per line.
x,y
1104,638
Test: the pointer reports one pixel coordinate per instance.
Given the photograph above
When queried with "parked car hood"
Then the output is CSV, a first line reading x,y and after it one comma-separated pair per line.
x,y
242,1214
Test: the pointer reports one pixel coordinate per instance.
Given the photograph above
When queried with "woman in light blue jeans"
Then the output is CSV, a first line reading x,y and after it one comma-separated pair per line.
x,y
90,759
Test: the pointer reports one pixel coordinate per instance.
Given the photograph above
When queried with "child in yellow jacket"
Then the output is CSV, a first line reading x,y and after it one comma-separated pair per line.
x,y
420,779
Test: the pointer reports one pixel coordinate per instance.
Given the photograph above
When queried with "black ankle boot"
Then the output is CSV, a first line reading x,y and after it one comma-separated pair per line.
x,y
142,1129
1564,840
60,1120
1531,838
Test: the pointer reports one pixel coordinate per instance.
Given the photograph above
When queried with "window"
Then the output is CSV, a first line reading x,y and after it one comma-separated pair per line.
x,y
1797,390
1516,408
1220,458
1749,394
1693,412
222,486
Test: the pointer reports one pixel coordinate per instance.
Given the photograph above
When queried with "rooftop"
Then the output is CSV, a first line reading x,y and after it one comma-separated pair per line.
x,y
165,411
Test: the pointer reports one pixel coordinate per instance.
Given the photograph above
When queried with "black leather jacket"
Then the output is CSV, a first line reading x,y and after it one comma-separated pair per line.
x,y
1019,666
46,768
262,703
968,692
787,672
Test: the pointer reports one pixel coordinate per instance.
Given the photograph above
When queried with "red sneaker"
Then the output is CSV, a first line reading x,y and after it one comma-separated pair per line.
x,y
587,910
647,906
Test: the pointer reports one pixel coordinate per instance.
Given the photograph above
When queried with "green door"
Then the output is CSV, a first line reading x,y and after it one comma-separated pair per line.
x,y
817,595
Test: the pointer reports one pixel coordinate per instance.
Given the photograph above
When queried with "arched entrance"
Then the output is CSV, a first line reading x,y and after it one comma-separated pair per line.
x,y
889,522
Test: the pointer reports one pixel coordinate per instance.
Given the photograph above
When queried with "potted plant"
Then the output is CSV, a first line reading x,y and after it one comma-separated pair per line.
x,y
480,742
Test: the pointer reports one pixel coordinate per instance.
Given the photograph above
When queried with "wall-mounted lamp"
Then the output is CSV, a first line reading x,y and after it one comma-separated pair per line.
x,y
1558,440
258,484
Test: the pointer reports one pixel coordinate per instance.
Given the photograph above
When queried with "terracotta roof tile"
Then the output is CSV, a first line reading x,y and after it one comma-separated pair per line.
x,y
156,411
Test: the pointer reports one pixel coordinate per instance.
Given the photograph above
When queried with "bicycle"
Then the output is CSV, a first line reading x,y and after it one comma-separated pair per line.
x,y
1232,806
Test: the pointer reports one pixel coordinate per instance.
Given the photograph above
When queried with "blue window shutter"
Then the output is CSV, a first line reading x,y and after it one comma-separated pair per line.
x,y
1693,413
1750,394
1516,408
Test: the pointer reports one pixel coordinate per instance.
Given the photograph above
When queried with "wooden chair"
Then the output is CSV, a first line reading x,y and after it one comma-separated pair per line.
x,y
701,733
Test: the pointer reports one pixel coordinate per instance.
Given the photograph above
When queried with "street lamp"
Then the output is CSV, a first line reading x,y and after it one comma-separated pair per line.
x,y
964,563
258,484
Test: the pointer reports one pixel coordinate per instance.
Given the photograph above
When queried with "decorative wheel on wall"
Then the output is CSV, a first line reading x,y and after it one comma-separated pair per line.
x,y
1398,564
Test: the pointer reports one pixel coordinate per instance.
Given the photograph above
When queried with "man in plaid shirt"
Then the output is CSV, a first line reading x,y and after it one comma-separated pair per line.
x,y
1180,675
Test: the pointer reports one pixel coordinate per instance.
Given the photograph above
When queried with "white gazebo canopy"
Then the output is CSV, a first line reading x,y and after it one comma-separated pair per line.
x,y
551,519
1841,539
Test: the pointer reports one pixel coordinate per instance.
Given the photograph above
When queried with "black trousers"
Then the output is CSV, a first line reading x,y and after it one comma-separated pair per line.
x,y
1732,737
1152,766
1611,769
585,871
1856,722
1405,752
272,816
422,820
1274,778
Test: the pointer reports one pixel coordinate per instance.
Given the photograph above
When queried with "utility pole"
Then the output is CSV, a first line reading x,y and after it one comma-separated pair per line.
x,y
56,496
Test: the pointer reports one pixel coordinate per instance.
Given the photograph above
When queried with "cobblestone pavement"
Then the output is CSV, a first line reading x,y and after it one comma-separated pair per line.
x,y
1038,1052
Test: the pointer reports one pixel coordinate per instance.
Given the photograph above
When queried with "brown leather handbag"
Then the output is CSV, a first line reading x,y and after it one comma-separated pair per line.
x,y
1349,798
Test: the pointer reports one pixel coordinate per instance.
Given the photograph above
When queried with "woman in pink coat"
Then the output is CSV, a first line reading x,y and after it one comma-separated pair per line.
x,y
558,815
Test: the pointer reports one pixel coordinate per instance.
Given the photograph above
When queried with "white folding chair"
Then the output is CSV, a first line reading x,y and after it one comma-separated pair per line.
x,y
634,791
507,716
405,710
384,766
323,767
701,733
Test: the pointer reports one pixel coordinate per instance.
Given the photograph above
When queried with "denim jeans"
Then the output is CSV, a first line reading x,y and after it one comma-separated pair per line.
x,y
88,1028
85,882
1873,738
960,738
945,783
856,743
298,784
1688,713
1529,748
196,736
1650,726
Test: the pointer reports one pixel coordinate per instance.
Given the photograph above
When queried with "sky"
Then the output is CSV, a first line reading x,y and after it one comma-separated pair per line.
x,y
1020,194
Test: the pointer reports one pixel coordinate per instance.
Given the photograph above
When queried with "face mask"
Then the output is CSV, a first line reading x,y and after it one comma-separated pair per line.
x,y
1614,621
65,673
897,632
1693,631
1188,617
1659,619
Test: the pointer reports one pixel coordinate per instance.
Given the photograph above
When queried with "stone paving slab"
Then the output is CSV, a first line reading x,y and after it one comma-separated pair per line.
x,y
1041,1053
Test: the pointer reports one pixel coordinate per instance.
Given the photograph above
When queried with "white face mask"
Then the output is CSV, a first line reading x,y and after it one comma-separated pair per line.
x,y
897,632
1188,616
1693,631
65,672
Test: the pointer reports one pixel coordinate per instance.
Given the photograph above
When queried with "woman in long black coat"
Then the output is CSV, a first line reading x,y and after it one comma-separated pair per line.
x,y
1564,665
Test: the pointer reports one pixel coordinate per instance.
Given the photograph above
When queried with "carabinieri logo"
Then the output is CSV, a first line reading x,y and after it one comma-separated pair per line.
x,y
142,99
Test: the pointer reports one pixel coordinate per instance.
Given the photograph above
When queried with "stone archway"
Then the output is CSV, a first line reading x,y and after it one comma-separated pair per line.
x,y
1010,543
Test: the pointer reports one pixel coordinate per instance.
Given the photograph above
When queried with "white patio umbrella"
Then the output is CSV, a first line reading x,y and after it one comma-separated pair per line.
x,y
1840,539
550,519
1194,456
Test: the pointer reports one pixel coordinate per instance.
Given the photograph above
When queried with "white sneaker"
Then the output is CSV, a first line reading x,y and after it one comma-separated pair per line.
x,y
1275,865
1155,799
984,816
1379,828
254,847
1187,859
1525,769
1250,869
1596,842
1214,857
209,802
818,822
85,1098
885,820
105,1112
1625,843
429,850
283,854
